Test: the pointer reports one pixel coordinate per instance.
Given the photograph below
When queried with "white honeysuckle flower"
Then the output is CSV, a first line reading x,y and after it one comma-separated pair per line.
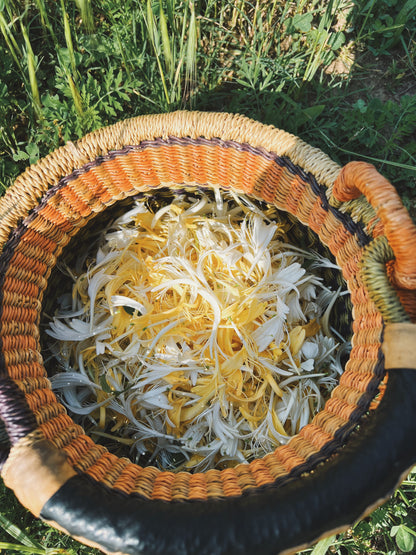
x,y
310,349
202,331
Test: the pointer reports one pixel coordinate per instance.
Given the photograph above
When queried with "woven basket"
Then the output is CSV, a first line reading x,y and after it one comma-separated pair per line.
x,y
340,466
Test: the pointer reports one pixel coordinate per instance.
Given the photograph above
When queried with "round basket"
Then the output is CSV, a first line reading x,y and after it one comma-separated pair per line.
x,y
337,469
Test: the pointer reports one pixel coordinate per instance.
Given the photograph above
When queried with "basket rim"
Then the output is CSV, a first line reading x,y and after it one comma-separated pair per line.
x,y
34,182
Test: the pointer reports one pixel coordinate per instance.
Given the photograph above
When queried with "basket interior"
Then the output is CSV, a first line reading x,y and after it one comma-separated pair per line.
x,y
84,244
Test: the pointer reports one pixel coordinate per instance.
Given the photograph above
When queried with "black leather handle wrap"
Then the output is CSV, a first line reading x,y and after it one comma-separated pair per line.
x,y
268,520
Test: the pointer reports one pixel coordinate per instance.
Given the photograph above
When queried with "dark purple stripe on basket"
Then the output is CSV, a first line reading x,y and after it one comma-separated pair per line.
x,y
15,413
354,228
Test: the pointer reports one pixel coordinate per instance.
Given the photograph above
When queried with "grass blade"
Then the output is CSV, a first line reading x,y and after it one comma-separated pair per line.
x,y
322,546
151,25
191,49
68,40
31,67
75,96
122,52
10,41
72,76
170,9
167,50
22,548
46,21
154,39
87,15
17,533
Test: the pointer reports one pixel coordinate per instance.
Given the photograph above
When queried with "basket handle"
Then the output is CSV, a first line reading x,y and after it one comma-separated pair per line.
x,y
358,178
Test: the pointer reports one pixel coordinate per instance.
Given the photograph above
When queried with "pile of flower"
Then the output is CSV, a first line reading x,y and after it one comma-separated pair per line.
x,y
197,334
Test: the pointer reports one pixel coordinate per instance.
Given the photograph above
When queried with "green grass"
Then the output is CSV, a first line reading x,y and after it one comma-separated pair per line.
x,y
339,73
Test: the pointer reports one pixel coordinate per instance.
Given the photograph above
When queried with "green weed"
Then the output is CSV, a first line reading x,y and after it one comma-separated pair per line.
x,y
384,23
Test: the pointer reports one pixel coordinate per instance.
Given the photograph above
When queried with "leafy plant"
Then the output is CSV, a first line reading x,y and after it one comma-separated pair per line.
x,y
384,23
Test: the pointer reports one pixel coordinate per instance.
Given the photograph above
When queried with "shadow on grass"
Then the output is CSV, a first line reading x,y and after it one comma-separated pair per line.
x,y
359,119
